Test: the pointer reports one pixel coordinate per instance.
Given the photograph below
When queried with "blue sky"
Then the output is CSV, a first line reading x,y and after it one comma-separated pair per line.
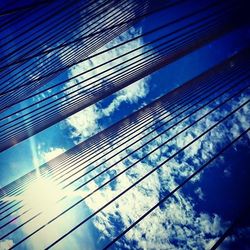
x,y
160,82
194,216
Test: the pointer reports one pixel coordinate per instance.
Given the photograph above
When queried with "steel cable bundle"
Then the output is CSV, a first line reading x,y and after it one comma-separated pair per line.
x,y
208,23
61,34
216,87
87,21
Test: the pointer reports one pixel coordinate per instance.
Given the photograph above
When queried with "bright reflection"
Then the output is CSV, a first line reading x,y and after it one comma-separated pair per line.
x,y
42,194
42,197
40,211
41,208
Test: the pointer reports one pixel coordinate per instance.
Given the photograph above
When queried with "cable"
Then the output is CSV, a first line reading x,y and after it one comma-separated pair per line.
x,y
96,67
145,135
127,189
121,44
102,64
25,8
135,183
174,102
80,39
64,34
17,19
46,76
202,117
171,193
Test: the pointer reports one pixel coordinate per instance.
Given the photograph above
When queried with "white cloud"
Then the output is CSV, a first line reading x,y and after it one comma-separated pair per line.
x,y
177,224
130,94
200,193
51,153
41,195
6,244
86,122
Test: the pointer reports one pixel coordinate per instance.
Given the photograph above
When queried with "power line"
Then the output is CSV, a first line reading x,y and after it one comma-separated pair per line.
x,y
171,193
91,163
216,88
134,184
193,124
45,76
107,37
142,70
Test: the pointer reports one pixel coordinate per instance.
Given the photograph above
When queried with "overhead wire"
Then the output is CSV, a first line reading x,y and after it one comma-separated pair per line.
x,y
172,192
72,164
127,41
209,112
120,194
159,116
63,97
46,76
89,164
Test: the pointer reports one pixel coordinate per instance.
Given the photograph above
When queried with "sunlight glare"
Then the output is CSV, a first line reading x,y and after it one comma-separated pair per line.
x,y
41,195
